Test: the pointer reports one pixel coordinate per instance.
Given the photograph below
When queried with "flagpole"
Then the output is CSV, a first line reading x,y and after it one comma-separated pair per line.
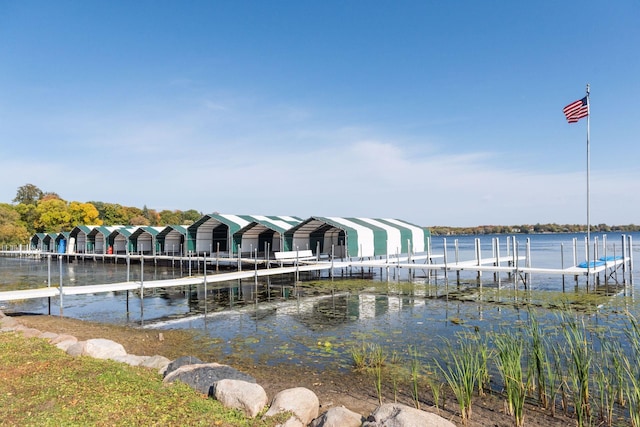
x,y
588,189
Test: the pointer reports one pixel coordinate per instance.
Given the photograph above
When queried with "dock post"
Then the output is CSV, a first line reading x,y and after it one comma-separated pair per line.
x,y
60,286
255,276
528,263
497,249
297,266
575,257
141,288
630,245
478,257
49,279
515,262
204,270
457,255
217,255
562,262
446,268
332,256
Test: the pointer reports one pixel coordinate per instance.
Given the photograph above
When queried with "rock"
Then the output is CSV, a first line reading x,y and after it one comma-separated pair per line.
x,y
201,377
156,362
182,361
76,349
338,417
50,336
248,397
131,359
65,344
397,415
8,324
301,401
28,332
101,348
63,337
63,341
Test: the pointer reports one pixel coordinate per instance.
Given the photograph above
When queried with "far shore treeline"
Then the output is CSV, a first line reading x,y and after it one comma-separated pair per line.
x,y
36,211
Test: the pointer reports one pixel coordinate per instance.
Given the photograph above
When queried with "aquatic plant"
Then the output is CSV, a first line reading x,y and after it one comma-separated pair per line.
x,y
509,361
435,385
414,370
460,371
359,357
484,353
604,380
537,359
632,386
580,355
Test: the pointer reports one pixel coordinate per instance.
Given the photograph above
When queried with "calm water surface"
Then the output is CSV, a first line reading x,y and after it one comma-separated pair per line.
x,y
318,322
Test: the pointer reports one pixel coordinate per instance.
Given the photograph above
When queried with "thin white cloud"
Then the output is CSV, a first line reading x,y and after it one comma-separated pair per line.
x,y
238,157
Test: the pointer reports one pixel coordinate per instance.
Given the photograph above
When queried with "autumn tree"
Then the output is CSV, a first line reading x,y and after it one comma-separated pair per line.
x,y
12,231
52,216
83,214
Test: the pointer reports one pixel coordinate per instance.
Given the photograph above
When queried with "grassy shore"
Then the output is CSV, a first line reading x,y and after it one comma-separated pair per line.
x,y
41,385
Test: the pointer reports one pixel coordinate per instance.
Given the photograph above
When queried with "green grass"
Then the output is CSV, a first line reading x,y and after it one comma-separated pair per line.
x,y
41,385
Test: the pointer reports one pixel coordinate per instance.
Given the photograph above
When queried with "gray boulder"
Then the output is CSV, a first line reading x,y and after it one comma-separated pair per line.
x,y
338,417
28,332
76,349
201,377
300,400
101,348
8,323
248,397
182,361
63,341
50,336
131,359
156,362
397,415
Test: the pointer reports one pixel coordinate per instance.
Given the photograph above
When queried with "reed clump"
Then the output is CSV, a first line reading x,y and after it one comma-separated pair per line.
x,y
587,371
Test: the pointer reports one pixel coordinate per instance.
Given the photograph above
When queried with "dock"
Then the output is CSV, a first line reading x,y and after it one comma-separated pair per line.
x,y
295,262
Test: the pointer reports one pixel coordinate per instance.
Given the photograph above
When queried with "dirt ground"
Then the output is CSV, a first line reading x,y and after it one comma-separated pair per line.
x,y
355,391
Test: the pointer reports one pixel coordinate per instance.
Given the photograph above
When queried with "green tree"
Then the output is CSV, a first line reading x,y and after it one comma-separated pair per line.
x,y
28,216
28,194
168,217
111,213
190,216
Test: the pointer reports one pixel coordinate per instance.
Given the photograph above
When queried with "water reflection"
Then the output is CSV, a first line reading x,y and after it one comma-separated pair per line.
x,y
276,320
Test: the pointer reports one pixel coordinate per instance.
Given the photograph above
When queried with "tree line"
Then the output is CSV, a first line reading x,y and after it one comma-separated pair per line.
x,y
531,228
36,211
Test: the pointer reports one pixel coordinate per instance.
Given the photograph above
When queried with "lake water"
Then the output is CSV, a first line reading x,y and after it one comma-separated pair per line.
x,y
317,322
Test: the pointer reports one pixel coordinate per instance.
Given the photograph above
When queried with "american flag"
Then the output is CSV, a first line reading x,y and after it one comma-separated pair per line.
x,y
576,110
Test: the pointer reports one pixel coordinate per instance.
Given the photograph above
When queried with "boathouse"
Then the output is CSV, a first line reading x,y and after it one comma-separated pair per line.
x,y
357,237
266,234
37,241
172,240
78,235
99,236
217,232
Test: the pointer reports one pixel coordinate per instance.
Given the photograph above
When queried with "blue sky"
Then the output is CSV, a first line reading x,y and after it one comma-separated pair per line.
x,y
438,113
